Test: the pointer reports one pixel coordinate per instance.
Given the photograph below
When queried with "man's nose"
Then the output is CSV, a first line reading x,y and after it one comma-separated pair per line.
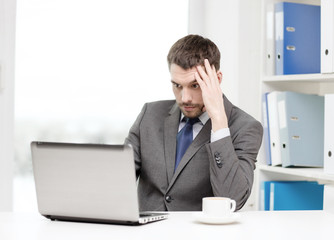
x,y
186,95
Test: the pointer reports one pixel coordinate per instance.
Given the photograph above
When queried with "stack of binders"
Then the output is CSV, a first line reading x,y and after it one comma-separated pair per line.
x,y
297,38
266,133
294,136
291,195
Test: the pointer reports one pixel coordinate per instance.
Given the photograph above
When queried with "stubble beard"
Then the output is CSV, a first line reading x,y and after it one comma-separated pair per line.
x,y
196,112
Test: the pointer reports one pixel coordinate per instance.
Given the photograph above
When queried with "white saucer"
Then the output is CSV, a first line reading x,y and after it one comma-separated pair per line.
x,y
208,219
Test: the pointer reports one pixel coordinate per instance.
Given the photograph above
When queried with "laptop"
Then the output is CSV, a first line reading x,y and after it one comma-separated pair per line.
x,y
88,182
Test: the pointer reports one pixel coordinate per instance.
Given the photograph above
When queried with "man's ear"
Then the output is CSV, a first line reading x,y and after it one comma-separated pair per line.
x,y
220,76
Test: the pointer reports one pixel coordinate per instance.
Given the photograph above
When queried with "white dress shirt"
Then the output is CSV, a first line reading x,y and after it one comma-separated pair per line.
x,y
197,127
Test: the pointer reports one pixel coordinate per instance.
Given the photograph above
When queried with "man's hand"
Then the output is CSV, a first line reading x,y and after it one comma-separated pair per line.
x,y
212,95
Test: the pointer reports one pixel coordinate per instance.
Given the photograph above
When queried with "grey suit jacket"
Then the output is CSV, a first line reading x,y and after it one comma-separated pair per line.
x,y
222,168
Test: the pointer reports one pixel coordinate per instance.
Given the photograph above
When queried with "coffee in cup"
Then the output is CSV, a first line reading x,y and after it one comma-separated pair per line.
x,y
218,206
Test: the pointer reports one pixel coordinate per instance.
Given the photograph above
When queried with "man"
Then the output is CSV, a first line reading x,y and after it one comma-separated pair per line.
x,y
221,158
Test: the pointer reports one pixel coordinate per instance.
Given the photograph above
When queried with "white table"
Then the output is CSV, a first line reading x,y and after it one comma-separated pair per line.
x,y
282,225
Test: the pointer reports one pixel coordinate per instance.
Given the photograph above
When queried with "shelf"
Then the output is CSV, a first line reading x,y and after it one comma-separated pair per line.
x,y
316,174
315,83
315,78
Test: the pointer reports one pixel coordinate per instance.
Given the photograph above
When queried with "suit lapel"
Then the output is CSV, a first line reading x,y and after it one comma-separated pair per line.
x,y
202,138
170,131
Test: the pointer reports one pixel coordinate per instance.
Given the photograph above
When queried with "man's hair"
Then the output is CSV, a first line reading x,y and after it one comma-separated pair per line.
x,y
191,50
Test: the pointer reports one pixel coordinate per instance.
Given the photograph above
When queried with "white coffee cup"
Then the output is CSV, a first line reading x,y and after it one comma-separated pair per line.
x,y
218,206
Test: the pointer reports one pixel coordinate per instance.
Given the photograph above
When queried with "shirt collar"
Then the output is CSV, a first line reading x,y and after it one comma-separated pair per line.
x,y
204,117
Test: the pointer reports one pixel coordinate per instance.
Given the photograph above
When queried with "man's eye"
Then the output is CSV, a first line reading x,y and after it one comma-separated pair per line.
x,y
196,85
176,85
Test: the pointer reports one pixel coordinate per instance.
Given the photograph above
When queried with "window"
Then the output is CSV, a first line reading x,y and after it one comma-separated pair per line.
x,y
84,69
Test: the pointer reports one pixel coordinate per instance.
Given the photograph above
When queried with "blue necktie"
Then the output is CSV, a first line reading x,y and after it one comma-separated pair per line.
x,y
184,139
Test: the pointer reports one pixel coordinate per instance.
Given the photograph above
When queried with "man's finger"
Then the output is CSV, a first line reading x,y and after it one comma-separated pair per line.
x,y
208,69
212,73
216,76
199,80
202,73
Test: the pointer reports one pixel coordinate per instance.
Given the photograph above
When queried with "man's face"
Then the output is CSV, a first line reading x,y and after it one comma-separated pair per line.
x,y
187,91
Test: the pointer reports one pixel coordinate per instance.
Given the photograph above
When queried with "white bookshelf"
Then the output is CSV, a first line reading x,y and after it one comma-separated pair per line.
x,y
305,83
302,78
310,174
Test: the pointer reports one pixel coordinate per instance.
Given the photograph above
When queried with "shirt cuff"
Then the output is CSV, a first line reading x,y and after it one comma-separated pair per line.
x,y
219,134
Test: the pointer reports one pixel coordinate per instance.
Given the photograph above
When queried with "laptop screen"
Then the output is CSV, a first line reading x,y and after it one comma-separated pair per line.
x,y
85,180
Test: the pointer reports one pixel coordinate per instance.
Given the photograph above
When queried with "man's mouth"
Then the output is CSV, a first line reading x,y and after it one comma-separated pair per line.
x,y
188,107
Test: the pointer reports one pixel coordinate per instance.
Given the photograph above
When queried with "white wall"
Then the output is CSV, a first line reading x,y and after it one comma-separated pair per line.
x,y
235,26
7,39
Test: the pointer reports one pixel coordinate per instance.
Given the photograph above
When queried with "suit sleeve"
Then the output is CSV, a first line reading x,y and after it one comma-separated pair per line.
x,y
232,162
134,139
